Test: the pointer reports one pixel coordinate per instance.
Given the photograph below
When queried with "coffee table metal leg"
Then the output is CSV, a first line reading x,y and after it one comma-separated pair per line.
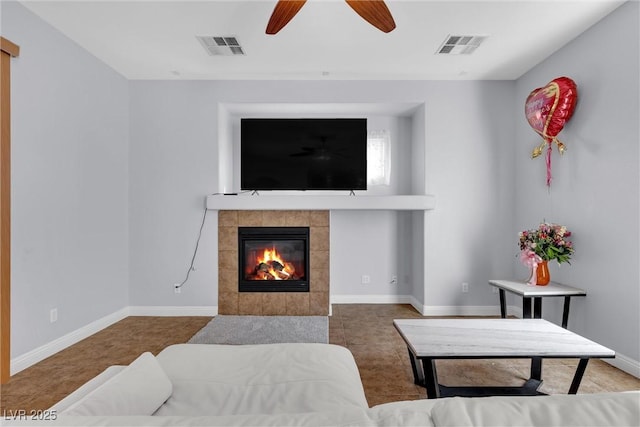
x,y
565,312
577,377
536,362
418,374
537,307
431,378
526,307
536,368
503,304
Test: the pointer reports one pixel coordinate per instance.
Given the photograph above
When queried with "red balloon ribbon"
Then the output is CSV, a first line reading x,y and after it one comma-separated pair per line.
x,y
547,110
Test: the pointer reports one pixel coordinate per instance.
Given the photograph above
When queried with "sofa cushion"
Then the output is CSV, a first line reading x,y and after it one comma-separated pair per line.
x,y
138,389
260,379
403,413
604,409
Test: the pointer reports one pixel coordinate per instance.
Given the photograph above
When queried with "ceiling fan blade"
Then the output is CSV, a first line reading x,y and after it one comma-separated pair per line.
x,y
284,11
374,12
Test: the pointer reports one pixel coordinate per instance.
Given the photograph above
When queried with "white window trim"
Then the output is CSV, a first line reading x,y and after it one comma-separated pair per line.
x,y
378,157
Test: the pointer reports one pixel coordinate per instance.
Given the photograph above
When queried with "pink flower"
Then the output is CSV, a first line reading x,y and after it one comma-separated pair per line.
x,y
548,242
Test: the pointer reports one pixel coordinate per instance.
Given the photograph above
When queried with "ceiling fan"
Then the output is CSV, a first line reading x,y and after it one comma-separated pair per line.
x,y
374,12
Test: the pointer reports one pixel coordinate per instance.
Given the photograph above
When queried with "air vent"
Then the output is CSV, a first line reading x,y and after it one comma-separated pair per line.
x,y
460,45
221,45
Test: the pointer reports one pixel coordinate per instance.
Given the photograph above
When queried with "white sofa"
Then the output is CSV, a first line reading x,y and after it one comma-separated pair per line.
x,y
296,385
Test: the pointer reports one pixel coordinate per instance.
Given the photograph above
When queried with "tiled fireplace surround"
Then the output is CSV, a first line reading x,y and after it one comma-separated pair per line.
x,y
312,303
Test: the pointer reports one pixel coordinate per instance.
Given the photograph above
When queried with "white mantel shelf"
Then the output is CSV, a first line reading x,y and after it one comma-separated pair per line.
x,y
313,202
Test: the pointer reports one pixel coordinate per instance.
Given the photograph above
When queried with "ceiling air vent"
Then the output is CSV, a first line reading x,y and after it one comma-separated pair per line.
x,y
221,45
460,45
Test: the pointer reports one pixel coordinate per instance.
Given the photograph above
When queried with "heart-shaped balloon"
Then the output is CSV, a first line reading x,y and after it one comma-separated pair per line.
x,y
547,110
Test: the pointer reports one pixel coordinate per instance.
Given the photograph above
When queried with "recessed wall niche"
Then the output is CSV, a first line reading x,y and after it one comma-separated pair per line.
x,y
404,121
409,176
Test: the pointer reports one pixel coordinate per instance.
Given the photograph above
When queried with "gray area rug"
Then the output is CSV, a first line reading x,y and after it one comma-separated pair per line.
x,y
263,330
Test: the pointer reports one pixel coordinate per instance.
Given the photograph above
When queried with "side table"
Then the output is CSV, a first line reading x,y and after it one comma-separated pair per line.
x,y
537,293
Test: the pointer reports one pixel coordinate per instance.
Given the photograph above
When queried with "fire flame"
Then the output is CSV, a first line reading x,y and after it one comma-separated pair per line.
x,y
278,269
270,255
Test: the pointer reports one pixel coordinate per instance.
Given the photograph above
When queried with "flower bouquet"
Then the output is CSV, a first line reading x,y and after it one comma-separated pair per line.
x,y
546,243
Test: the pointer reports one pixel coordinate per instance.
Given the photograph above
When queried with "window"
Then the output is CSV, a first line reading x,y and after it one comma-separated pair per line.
x,y
378,157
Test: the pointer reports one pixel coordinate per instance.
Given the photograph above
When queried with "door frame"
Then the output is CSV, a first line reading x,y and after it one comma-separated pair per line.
x,y
8,50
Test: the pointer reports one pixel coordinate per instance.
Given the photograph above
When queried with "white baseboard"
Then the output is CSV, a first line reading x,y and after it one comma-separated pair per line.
x,y
461,310
425,310
36,355
624,363
371,299
172,311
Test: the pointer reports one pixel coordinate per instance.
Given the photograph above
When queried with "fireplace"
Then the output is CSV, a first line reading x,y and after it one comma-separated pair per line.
x,y
315,302
273,259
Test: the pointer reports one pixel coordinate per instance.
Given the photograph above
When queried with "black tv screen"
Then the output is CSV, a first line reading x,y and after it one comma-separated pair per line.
x,y
303,154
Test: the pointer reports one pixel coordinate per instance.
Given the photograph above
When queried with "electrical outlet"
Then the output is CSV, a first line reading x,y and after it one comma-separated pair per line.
x,y
176,288
53,315
394,280
465,287
494,290
366,279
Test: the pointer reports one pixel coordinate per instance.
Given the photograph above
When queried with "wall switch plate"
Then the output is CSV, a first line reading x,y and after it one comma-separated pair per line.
x,y
53,315
465,287
494,289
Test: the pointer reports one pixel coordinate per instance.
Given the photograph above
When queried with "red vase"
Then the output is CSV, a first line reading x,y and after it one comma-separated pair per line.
x,y
542,274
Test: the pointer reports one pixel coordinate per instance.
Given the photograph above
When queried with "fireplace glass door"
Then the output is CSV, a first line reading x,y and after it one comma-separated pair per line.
x,y
273,259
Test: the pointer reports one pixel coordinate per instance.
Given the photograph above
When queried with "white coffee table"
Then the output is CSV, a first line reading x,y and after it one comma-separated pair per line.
x,y
536,339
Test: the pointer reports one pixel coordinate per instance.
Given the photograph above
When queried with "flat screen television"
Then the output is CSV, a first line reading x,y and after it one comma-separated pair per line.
x,y
303,154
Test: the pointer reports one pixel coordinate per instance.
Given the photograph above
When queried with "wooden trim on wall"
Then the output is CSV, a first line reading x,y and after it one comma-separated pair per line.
x,y
8,50
9,47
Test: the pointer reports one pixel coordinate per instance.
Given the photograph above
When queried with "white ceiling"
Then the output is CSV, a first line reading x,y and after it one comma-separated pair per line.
x,y
326,40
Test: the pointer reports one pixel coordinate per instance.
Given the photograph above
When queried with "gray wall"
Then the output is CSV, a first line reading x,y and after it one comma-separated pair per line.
x,y
469,144
595,189
70,121
172,166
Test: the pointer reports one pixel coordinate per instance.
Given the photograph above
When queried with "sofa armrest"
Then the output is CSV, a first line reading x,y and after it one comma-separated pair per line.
x,y
138,389
86,388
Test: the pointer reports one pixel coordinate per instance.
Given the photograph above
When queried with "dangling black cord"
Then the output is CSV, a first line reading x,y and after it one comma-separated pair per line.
x,y
193,258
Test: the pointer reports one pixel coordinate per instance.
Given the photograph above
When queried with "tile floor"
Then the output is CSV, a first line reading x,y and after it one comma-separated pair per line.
x,y
367,330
